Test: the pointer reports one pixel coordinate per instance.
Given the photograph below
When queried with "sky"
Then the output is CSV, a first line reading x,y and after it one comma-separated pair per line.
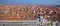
x,y
42,2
